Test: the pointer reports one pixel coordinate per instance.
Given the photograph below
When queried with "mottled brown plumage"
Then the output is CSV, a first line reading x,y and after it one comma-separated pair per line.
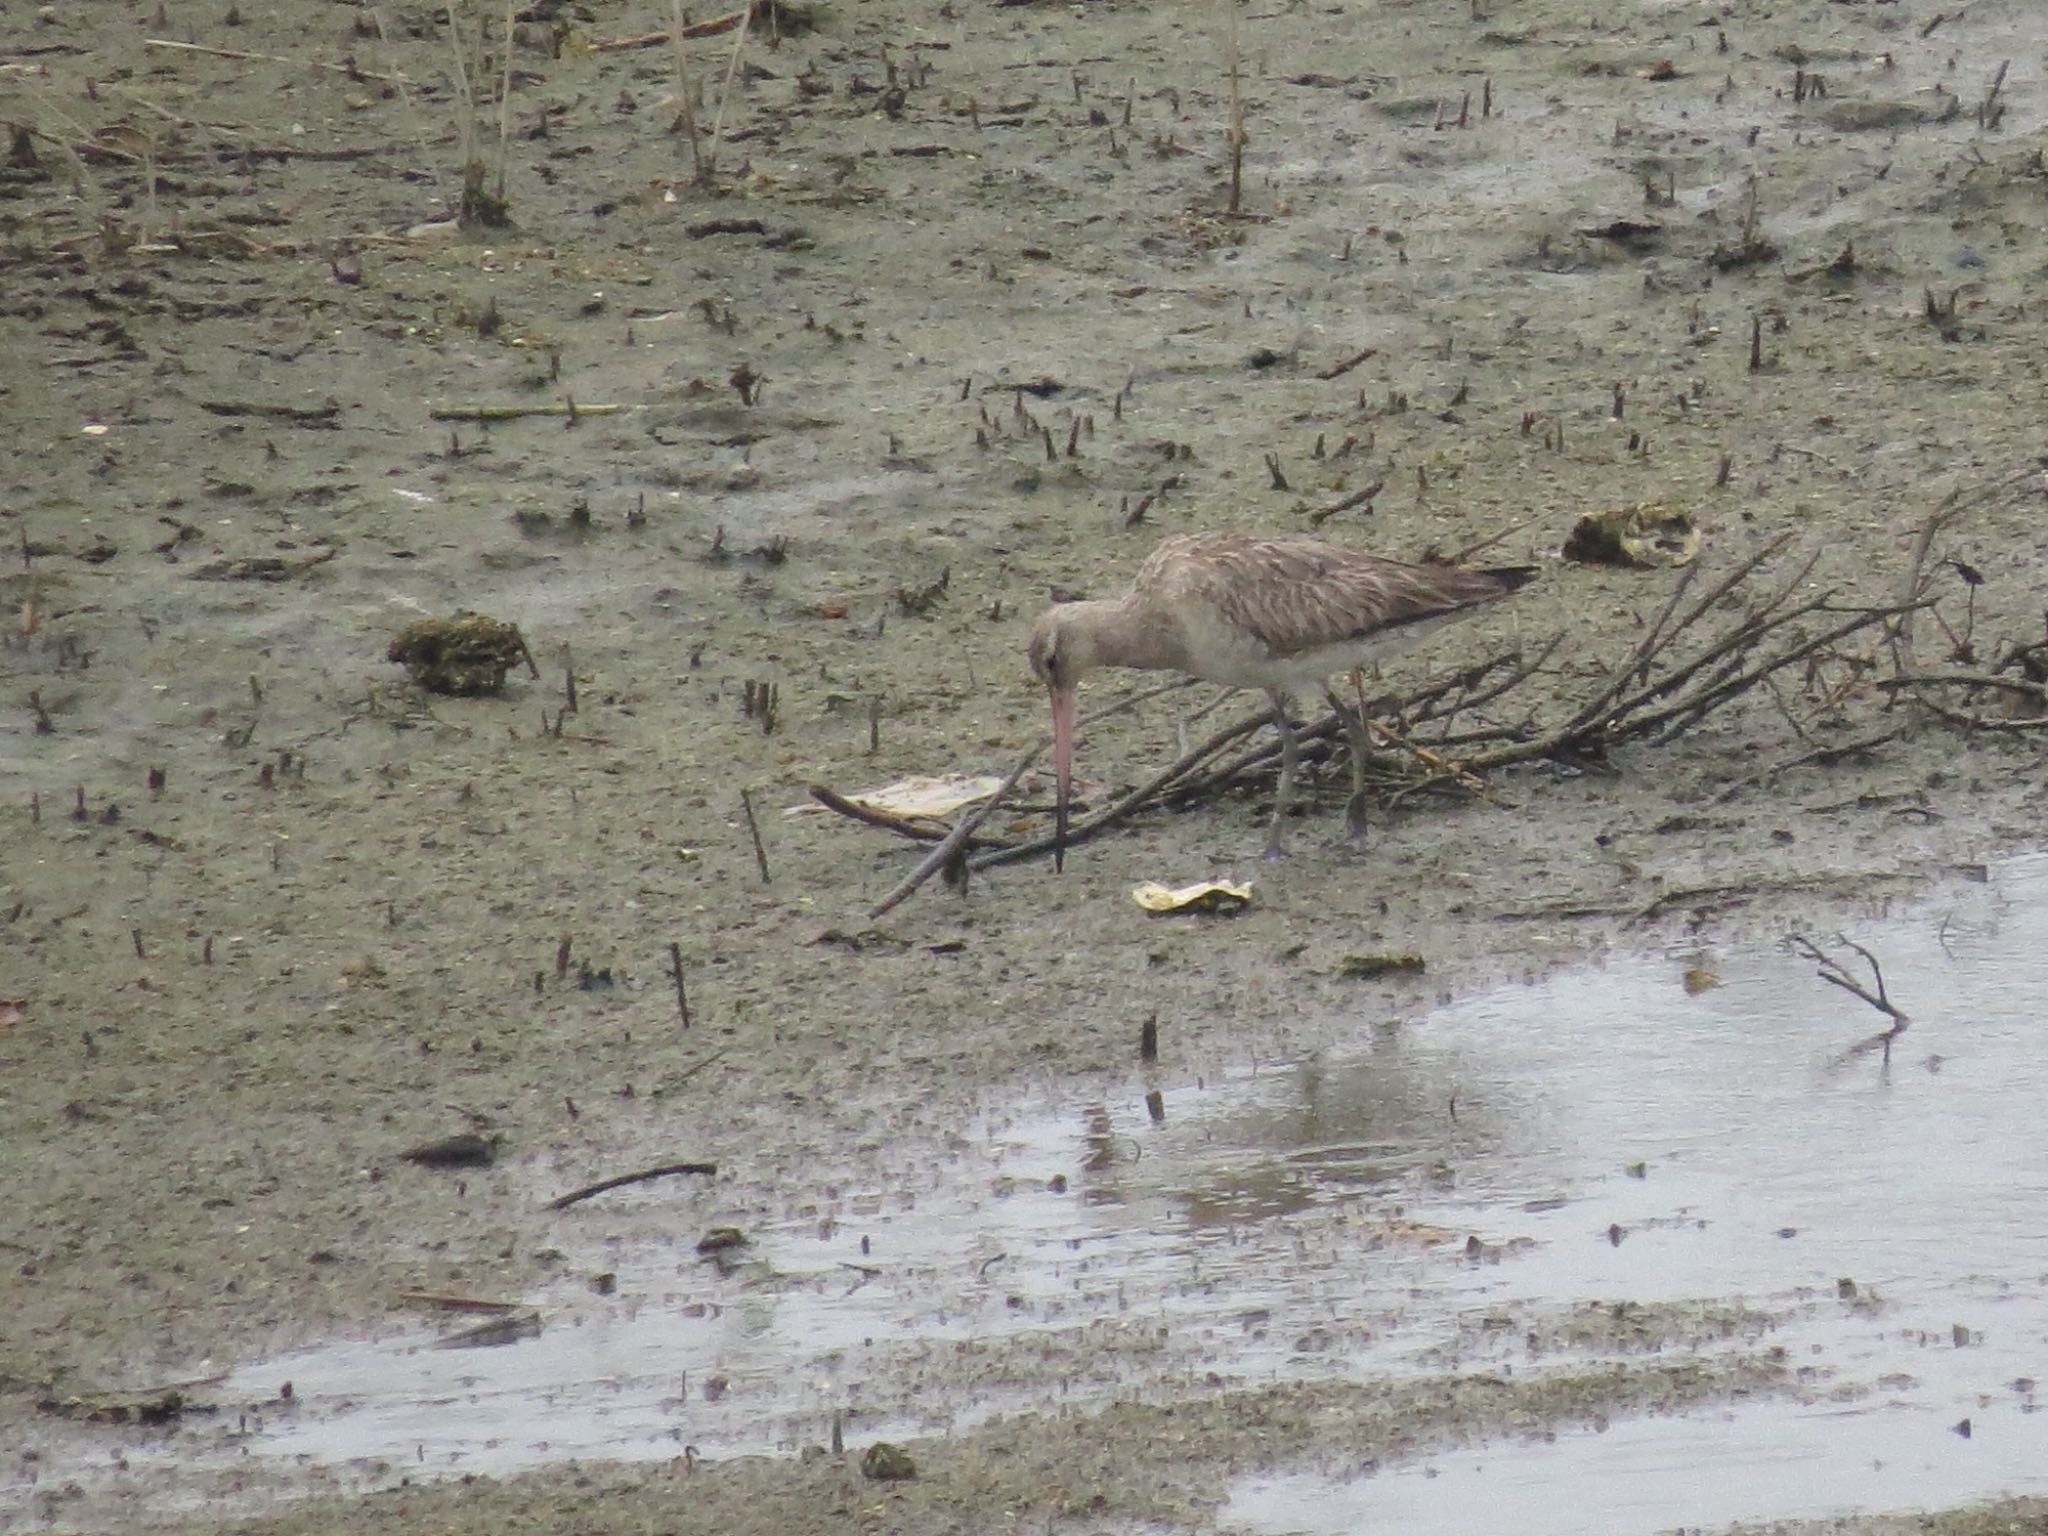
x,y
1279,613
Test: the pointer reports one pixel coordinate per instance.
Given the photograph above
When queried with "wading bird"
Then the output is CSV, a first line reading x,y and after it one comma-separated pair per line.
x,y
1280,613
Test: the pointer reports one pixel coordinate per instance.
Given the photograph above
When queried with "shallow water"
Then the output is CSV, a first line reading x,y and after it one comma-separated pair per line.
x,y
1605,1136
1775,1171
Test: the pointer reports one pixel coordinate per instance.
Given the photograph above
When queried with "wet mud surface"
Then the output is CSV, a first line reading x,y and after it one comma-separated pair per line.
x,y
963,293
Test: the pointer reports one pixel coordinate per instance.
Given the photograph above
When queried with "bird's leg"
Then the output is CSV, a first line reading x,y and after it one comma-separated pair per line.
x,y
1353,721
1285,793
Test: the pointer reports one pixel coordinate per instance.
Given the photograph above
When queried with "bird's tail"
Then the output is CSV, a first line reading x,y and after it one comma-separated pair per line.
x,y
1512,578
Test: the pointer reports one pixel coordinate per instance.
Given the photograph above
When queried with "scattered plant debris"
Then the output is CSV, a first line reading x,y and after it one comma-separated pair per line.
x,y
468,654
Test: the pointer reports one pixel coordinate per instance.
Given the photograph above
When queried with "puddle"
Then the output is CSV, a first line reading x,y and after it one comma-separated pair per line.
x,y
1771,1175
1310,1221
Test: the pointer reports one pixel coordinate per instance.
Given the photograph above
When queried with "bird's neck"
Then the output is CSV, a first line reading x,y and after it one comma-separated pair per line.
x,y
1122,634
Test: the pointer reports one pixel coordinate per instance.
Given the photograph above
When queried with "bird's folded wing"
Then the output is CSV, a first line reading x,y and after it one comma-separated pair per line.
x,y
1299,595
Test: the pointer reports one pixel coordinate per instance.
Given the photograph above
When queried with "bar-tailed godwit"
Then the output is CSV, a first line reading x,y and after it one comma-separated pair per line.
x,y
1279,613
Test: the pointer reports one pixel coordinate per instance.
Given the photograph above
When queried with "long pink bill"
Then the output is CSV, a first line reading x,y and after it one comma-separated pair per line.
x,y
1062,768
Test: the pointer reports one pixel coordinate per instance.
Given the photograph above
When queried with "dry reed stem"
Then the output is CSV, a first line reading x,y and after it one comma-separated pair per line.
x,y
505,101
1959,501
739,44
80,134
475,204
686,106
1234,61
463,93
269,58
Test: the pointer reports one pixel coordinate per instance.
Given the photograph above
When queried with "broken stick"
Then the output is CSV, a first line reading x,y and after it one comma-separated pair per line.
x,y
660,1171
1835,973
518,412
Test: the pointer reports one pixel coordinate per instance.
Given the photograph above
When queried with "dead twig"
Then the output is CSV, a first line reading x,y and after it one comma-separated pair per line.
x,y
754,832
1094,826
1689,711
1442,703
2038,692
1660,633
640,1176
1964,721
2007,487
954,841
711,28
922,829
1337,370
1702,898
1824,757
1356,499
447,1303
272,58
1477,546
569,409
1441,768
1833,972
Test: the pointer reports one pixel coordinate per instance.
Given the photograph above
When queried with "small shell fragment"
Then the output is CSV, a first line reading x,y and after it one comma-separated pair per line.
x,y
1223,897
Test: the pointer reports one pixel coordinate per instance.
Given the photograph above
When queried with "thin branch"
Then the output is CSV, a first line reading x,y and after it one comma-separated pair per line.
x,y
1688,712
2038,692
1521,674
1752,627
1439,767
1659,636
1460,556
270,58
739,43
641,1176
1824,756
952,843
1965,721
1953,506
711,28
1137,799
1836,974
920,829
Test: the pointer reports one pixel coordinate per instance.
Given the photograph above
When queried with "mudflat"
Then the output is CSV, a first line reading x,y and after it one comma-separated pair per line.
x,y
770,424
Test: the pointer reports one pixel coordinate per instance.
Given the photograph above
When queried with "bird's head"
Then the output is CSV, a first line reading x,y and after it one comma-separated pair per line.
x,y
1060,650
